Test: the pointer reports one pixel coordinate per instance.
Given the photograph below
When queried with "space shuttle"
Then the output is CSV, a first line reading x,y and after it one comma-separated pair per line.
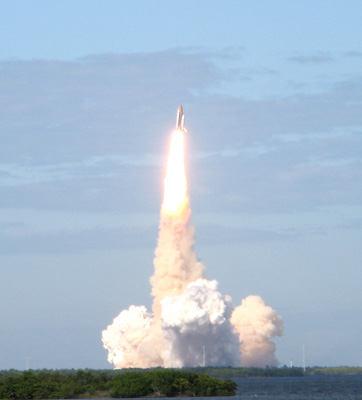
x,y
180,119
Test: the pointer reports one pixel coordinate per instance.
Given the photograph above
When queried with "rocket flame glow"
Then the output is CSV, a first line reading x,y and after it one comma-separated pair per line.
x,y
192,323
175,192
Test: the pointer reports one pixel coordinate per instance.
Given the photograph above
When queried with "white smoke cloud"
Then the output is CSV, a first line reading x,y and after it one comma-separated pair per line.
x,y
123,337
256,323
197,328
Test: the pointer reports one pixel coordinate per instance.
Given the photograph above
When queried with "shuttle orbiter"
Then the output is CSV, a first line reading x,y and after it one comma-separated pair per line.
x,y
180,119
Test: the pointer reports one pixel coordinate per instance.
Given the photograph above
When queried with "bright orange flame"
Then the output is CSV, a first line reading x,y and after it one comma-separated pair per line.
x,y
175,192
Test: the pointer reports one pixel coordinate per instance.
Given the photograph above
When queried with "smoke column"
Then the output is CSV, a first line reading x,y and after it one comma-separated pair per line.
x,y
197,327
256,323
192,323
176,263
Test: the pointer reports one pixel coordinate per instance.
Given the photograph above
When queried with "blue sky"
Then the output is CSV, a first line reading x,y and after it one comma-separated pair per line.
x,y
272,94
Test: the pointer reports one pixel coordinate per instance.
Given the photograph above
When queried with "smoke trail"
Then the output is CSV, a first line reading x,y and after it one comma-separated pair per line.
x,y
176,263
175,266
256,323
192,323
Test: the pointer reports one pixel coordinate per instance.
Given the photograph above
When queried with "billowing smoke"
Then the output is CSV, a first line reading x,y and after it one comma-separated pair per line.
x,y
197,328
124,336
256,323
192,323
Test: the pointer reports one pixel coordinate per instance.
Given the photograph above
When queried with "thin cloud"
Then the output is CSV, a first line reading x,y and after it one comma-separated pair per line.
x,y
316,58
354,54
18,239
86,133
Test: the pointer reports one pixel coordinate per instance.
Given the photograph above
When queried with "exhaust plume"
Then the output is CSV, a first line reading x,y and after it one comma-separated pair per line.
x,y
192,323
197,328
256,323
175,197
124,336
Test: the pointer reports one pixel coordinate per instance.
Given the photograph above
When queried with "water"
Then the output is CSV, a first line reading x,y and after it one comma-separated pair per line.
x,y
294,388
301,388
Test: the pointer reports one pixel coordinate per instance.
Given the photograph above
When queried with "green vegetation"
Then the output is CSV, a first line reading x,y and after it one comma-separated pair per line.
x,y
252,372
159,382
52,385
334,371
170,383
83,384
247,372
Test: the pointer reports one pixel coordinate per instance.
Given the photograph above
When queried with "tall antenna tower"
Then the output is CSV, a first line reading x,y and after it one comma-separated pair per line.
x,y
303,357
203,356
27,363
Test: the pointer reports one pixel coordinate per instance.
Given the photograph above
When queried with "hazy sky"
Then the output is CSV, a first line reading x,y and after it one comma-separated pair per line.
x,y
272,94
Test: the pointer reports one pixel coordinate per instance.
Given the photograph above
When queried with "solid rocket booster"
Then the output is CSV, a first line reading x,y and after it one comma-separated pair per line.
x,y
180,119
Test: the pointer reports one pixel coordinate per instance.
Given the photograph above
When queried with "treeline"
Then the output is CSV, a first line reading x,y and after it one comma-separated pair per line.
x,y
52,385
82,384
253,372
247,372
333,371
170,383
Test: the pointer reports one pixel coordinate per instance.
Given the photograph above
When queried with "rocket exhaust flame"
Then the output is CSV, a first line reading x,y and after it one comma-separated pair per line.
x,y
175,190
192,323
